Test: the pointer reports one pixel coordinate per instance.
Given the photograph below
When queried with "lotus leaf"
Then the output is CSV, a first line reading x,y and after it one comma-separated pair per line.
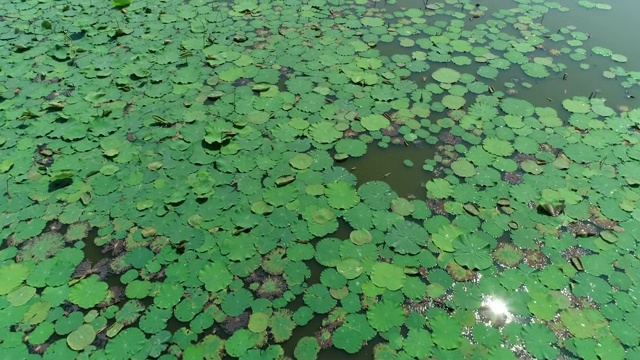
x,y
307,349
241,341
446,75
21,295
317,297
517,107
497,146
577,105
374,122
209,188
444,237
36,313
168,294
215,276
377,195
341,195
349,268
453,102
360,237
488,72
301,161
13,275
324,132
281,325
446,332
535,70
472,251
583,323
407,238
88,292
190,306
463,168
155,319
353,333
539,339
388,276
82,337
351,147
402,206
328,251
385,315
323,215
546,305
439,189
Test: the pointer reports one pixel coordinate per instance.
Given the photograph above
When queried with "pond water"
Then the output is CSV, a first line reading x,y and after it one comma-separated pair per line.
x,y
319,179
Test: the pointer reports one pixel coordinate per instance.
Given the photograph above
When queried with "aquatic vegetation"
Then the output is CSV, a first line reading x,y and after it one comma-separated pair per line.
x,y
219,157
77,231
507,254
41,247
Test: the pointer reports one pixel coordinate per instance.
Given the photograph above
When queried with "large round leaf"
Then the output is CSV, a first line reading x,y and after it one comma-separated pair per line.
x,y
472,251
407,238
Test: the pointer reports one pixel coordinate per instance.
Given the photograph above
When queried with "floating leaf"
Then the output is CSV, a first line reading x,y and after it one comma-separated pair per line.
x,y
215,276
374,122
342,195
497,146
577,105
446,332
88,292
439,189
387,276
407,238
317,297
463,168
82,337
307,349
385,315
446,75
301,161
472,251
583,323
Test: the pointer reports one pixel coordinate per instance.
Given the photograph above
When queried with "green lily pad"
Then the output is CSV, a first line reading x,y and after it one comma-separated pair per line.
x,y
463,168
374,122
472,251
82,337
388,276
446,75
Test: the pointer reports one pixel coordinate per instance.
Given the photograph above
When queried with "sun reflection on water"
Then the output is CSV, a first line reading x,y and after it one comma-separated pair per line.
x,y
495,311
